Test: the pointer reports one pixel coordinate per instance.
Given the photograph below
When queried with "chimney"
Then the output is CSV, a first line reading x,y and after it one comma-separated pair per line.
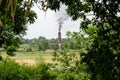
x,y
59,39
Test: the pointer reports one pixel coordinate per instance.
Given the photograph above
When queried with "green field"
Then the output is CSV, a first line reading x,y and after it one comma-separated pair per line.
x,y
30,58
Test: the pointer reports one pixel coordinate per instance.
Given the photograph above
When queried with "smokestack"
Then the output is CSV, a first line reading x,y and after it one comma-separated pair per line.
x,y
59,36
62,16
59,39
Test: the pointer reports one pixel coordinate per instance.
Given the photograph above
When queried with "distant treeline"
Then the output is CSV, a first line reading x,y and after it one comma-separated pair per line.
x,y
42,44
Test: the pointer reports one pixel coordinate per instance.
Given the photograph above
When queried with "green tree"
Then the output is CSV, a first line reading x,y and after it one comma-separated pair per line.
x,y
14,15
41,43
53,44
103,57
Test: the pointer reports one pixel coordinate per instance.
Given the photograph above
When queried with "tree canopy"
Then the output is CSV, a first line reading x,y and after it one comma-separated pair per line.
x,y
103,57
100,20
14,15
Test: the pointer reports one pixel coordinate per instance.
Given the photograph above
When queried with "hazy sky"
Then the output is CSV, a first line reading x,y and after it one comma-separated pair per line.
x,y
47,25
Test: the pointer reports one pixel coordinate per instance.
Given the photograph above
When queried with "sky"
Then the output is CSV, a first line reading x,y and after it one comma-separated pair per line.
x,y
47,25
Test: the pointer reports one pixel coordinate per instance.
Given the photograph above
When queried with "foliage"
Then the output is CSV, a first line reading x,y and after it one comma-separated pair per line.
x,y
68,61
11,70
14,16
53,44
1,58
100,21
29,49
41,43
67,65
103,56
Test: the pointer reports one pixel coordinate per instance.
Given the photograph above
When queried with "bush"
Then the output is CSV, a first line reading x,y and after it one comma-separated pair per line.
x,y
1,58
68,66
10,70
29,49
44,73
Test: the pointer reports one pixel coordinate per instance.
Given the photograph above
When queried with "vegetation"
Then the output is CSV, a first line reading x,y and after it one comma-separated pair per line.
x,y
10,70
98,41
42,44
13,18
41,71
103,56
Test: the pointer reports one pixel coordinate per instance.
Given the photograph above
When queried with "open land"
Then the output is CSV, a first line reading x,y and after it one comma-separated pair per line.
x,y
30,58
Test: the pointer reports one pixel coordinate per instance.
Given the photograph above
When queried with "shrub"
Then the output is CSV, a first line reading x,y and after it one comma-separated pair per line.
x,y
68,66
42,72
1,58
10,70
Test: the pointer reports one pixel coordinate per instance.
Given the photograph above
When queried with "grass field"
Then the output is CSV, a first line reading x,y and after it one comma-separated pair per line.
x,y
31,58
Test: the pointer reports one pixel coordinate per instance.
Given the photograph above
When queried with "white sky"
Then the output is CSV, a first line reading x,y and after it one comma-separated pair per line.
x,y
46,25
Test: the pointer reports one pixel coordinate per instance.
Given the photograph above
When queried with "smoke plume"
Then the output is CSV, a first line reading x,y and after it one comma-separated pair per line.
x,y
61,16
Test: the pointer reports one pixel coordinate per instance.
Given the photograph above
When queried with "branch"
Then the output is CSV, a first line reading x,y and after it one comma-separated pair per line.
x,y
111,12
1,23
12,10
0,2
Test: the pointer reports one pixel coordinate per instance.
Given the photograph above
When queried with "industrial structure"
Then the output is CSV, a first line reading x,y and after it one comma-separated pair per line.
x,y
59,35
